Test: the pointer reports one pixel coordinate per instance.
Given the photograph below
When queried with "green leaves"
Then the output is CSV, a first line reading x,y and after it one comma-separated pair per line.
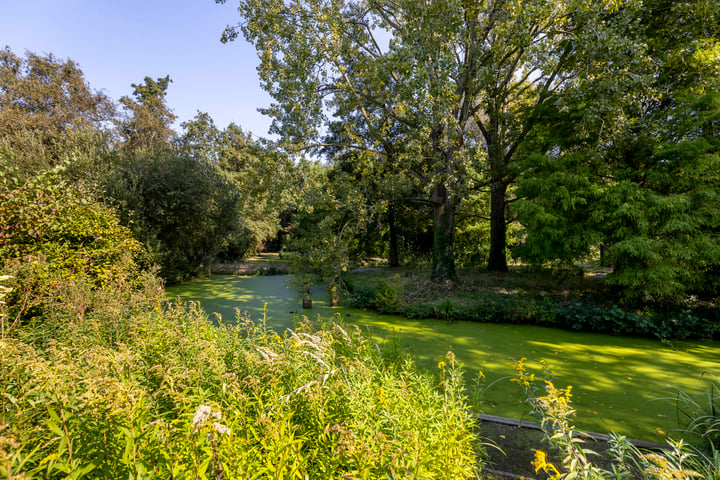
x,y
148,121
240,401
77,235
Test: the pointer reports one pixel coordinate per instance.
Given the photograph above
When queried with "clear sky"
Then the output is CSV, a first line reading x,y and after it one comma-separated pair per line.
x,y
119,42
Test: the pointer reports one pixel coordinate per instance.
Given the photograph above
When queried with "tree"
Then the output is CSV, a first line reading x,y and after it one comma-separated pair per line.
x,y
392,198
644,190
48,112
184,211
259,173
148,122
200,138
461,78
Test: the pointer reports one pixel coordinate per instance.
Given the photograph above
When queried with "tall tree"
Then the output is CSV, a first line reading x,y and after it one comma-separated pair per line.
x,y
48,111
258,173
148,122
461,77
645,190
200,138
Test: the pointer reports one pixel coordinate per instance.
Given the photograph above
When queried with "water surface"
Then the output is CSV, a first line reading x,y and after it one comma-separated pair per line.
x,y
616,380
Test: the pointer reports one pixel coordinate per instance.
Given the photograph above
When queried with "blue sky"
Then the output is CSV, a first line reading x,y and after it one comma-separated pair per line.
x,y
119,42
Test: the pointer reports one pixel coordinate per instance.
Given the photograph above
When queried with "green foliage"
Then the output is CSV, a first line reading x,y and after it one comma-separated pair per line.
x,y
554,411
645,191
389,295
586,315
53,233
48,112
451,91
185,211
329,217
450,303
466,302
181,398
261,175
698,414
148,121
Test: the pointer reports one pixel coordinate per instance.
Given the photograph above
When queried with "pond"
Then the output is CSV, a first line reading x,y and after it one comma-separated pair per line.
x,y
616,381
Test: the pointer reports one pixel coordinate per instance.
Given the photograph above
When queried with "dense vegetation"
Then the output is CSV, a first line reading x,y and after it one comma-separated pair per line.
x,y
443,133
189,198
134,390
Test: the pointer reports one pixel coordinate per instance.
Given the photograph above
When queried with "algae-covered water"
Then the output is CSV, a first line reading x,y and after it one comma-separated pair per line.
x,y
616,381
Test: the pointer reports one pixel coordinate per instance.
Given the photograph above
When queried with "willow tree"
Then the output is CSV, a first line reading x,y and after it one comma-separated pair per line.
x,y
48,112
460,77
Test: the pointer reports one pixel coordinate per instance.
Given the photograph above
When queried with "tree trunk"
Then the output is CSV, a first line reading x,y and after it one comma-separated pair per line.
x,y
443,256
497,262
394,257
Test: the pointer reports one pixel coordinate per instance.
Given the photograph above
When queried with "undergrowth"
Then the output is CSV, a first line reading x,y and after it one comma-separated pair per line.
x,y
517,300
175,397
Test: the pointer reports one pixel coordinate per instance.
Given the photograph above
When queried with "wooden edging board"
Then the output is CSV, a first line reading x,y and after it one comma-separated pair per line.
x,y
595,436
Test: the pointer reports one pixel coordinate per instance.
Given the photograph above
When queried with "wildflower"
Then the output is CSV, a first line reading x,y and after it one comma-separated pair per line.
x,y
541,463
201,415
441,364
221,429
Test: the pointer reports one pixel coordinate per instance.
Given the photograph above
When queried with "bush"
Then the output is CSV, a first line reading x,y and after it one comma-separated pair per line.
x,y
390,296
56,240
586,315
169,395
48,217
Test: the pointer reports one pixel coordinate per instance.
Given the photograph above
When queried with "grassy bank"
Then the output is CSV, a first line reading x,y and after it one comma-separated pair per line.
x,y
575,300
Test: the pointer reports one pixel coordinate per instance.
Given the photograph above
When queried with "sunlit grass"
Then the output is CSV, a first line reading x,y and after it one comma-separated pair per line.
x,y
615,379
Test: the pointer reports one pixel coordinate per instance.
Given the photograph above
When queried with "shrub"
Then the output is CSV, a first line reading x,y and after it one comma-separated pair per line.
x,y
173,396
45,216
389,295
588,316
59,243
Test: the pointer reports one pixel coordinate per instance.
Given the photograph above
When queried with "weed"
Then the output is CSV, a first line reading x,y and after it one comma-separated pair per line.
x,y
170,395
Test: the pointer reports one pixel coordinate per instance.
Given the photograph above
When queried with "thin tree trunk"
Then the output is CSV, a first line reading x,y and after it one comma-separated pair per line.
x,y
497,262
443,256
394,257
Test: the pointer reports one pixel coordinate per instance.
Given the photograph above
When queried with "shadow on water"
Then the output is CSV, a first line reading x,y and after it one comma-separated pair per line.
x,y
616,380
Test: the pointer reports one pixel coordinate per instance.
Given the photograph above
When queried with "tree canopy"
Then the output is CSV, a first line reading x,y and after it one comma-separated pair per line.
x,y
457,82
148,120
48,111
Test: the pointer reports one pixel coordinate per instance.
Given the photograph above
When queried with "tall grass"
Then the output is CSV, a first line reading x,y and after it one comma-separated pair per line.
x,y
698,414
134,389
553,407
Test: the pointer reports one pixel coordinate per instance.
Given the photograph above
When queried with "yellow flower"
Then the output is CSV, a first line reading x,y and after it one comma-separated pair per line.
x,y
441,364
541,463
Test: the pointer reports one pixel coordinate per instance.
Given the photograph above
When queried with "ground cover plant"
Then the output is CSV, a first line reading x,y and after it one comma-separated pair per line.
x,y
572,299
